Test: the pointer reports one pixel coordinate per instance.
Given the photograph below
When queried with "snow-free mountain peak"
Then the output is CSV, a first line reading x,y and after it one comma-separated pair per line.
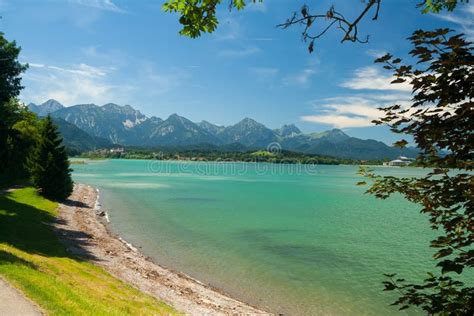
x,y
124,125
45,108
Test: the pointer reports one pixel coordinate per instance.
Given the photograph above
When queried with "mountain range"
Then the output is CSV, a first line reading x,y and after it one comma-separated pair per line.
x,y
89,126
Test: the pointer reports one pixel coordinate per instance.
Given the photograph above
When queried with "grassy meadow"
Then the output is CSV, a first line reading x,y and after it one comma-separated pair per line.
x,y
33,260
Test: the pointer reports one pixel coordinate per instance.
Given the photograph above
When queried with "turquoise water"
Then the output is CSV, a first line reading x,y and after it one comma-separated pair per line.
x,y
298,240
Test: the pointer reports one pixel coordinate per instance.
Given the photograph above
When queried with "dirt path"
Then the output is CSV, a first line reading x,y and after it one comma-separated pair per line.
x,y
13,302
84,233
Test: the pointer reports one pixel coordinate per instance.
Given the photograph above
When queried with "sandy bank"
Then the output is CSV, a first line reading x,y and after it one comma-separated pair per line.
x,y
85,234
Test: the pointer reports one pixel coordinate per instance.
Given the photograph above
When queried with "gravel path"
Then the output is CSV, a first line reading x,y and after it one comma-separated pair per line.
x,y
13,303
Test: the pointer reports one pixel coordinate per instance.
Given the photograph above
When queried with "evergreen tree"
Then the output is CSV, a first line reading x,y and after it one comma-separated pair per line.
x,y
10,87
23,140
51,172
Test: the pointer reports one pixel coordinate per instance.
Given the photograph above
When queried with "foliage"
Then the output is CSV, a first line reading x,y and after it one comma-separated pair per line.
x,y
350,27
21,139
10,80
284,157
51,172
34,260
440,119
437,6
24,140
199,16
10,86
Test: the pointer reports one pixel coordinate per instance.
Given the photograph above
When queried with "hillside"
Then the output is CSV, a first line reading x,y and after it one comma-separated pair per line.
x,y
76,140
114,124
34,260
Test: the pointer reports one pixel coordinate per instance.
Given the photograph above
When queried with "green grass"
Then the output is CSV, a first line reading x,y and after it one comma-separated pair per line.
x,y
33,260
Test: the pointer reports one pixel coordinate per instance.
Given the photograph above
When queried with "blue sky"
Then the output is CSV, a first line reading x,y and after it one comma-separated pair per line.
x,y
129,52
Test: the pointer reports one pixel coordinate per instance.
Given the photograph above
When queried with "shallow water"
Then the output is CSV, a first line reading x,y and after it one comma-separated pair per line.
x,y
298,240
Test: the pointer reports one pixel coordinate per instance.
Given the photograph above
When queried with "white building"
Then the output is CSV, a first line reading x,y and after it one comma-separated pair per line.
x,y
117,150
400,162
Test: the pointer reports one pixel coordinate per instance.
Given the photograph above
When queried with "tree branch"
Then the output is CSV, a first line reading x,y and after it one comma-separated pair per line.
x,y
350,29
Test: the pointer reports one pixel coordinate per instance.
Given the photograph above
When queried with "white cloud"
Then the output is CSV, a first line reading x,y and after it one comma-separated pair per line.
x,y
353,111
338,121
84,83
359,110
81,69
79,83
469,8
371,78
106,5
375,53
464,18
300,78
243,52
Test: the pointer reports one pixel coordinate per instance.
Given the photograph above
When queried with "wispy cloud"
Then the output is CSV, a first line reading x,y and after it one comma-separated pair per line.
x,y
371,78
352,111
301,78
70,85
85,83
106,5
359,110
242,52
375,53
338,121
464,18
81,69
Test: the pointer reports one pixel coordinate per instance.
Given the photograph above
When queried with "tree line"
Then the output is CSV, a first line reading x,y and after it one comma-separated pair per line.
x,y
31,148
282,156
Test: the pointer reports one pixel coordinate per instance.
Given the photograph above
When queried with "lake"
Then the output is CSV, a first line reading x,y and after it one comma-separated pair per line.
x,y
292,239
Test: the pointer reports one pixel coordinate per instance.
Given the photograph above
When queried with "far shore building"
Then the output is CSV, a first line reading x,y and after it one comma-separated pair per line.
x,y
117,150
400,162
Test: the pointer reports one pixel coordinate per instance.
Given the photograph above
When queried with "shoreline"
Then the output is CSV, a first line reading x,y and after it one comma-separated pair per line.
x,y
83,227
83,159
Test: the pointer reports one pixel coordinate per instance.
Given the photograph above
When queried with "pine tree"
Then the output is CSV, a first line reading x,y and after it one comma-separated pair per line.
x,y
51,172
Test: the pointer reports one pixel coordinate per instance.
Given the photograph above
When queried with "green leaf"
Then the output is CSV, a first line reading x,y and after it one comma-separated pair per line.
x,y
443,253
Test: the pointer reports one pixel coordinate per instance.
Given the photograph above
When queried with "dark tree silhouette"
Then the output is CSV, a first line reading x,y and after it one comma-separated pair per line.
x,y
10,87
441,121
199,16
51,172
